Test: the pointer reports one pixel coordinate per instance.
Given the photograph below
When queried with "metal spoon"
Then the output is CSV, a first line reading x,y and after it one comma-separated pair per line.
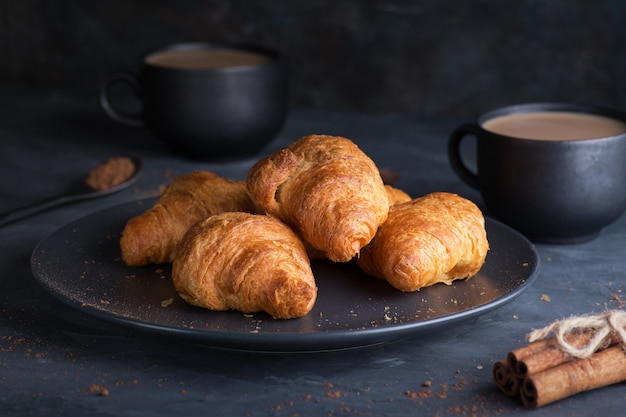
x,y
77,192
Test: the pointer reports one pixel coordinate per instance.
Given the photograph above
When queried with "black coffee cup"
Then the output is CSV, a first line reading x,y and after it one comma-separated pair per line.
x,y
207,101
554,171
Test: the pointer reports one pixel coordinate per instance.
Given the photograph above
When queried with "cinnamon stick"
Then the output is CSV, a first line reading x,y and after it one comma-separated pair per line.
x,y
506,379
504,372
525,351
599,370
586,353
553,356
511,374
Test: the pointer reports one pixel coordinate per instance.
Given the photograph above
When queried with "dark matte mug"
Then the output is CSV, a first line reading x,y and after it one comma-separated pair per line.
x,y
562,189
207,101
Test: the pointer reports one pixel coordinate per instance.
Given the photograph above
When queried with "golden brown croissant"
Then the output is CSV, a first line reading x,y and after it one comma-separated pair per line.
x,y
152,236
245,262
436,238
396,195
326,189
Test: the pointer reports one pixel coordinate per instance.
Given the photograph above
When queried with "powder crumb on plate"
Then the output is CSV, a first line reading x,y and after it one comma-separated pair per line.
x,y
544,297
166,303
418,394
97,389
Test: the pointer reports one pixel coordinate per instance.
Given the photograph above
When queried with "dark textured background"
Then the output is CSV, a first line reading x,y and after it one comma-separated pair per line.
x,y
417,57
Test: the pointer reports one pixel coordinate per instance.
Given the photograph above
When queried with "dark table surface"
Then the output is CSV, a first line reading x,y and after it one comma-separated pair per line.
x,y
53,355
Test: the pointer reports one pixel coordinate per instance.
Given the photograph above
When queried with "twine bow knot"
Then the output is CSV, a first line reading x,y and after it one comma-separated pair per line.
x,y
611,322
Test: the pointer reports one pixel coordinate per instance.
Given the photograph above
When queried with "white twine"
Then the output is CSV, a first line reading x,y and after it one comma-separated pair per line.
x,y
602,325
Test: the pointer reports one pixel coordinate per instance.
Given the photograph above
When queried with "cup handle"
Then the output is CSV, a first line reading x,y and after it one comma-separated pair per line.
x,y
124,77
454,154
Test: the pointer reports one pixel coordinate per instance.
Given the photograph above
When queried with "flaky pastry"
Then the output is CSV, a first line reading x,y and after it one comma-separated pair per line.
x,y
396,195
326,189
152,236
244,262
439,237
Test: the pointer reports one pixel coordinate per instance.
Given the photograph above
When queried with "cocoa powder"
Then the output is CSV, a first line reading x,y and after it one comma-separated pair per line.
x,y
110,173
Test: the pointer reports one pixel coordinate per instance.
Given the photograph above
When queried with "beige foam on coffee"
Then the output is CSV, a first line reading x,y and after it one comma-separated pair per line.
x,y
555,125
206,58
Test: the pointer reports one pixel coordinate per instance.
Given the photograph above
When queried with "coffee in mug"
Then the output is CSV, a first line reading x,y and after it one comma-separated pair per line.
x,y
208,102
206,58
555,125
554,171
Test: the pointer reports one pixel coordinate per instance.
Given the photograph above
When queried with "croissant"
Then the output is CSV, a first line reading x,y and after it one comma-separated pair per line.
x,y
439,237
152,236
244,262
396,195
326,189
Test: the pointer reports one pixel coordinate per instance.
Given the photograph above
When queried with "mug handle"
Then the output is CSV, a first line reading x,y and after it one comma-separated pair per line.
x,y
124,77
454,154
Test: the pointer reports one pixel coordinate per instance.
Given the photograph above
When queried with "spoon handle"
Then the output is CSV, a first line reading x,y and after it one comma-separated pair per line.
x,y
37,207
79,191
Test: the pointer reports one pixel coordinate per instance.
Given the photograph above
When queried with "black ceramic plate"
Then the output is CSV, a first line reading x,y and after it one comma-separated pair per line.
x,y
80,265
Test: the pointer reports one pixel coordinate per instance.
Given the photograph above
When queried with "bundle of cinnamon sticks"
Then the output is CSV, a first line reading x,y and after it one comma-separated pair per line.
x,y
576,359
